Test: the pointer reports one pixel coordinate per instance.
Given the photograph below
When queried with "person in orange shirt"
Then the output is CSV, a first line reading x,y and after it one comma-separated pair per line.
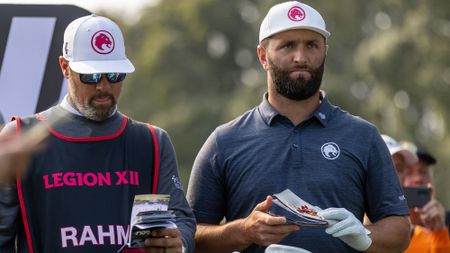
x,y
429,232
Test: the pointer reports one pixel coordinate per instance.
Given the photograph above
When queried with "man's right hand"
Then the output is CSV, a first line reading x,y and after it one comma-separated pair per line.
x,y
16,149
14,155
264,229
433,215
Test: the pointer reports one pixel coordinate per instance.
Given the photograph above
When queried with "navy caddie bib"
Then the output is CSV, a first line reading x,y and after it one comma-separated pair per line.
x,y
77,194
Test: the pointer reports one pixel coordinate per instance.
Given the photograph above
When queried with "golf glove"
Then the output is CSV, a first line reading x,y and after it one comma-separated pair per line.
x,y
345,226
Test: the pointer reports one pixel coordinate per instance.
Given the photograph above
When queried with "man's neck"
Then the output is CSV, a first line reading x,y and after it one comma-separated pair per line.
x,y
68,105
295,111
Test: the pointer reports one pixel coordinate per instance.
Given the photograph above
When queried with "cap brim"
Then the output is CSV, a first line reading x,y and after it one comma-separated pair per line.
x,y
324,33
94,67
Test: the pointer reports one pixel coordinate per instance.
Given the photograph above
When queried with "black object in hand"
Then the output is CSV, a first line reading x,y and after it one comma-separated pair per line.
x,y
417,196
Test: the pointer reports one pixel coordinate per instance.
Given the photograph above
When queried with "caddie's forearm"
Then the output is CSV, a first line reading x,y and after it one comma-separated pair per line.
x,y
223,238
391,234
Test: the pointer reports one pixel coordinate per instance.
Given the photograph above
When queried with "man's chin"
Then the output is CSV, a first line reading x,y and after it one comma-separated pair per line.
x,y
98,113
104,112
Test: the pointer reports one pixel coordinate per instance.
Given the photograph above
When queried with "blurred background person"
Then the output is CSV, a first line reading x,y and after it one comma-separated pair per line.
x,y
402,156
429,231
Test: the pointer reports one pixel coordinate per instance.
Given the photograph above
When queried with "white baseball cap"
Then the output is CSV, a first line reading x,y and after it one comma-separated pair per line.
x,y
278,248
406,149
289,16
94,44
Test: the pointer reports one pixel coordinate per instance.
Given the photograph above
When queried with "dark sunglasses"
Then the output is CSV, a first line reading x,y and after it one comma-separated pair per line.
x,y
96,78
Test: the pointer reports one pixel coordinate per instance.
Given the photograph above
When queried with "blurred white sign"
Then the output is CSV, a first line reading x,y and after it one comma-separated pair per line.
x,y
30,44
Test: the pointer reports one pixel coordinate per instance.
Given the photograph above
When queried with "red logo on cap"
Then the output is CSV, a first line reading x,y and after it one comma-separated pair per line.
x,y
296,14
102,42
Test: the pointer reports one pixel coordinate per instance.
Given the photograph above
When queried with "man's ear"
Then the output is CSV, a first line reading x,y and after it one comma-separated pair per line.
x,y
262,56
64,64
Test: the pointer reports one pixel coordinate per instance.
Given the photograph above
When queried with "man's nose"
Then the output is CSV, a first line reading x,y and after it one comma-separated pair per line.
x,y
419,180
300,55
103,84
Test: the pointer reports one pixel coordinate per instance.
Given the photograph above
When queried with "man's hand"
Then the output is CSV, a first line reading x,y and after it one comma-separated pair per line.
x,y
345,226
264,229
432,215
14,157
165,240
258,227
16,149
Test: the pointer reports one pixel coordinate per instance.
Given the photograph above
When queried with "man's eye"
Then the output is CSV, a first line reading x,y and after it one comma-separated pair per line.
x,y
288,45
312,45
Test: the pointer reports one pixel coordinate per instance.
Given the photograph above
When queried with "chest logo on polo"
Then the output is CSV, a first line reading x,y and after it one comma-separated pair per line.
x,y
330,150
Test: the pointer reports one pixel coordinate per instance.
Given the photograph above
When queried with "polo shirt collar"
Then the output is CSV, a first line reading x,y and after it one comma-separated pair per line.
x,y
267,111
322,113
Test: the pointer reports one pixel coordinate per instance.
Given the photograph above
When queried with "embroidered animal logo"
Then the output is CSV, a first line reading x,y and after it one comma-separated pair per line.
x,y
330,151
102,42
296,14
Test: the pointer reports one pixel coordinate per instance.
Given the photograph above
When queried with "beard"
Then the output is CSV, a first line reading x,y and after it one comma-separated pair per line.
x,y
299,88
95,112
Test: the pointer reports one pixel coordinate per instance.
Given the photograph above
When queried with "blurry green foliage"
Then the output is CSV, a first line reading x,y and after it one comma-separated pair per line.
x,y
388,62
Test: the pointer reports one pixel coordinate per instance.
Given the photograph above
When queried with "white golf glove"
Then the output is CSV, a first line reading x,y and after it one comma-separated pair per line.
x,y
345,226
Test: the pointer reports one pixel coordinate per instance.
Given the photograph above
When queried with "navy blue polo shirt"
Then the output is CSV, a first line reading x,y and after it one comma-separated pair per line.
x,y
331,159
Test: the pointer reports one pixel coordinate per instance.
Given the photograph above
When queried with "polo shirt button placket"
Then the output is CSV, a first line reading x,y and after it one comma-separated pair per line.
x,y
297,156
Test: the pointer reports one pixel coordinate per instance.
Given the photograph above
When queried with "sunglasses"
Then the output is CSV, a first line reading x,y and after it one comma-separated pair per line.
x,y
96,78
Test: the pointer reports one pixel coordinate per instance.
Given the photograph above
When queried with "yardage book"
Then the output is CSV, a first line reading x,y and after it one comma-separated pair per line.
x,y
150,212
296,210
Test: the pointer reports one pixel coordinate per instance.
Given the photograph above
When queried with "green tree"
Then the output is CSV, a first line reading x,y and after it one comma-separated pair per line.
x,y
190,58
388,61
403,73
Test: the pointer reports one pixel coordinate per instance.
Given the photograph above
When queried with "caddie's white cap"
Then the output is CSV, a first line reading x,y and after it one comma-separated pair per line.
x,y
406,149
278,248
289,16
94,44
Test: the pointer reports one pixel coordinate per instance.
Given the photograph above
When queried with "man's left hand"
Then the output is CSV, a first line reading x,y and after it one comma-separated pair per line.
x,y
345,226
433,215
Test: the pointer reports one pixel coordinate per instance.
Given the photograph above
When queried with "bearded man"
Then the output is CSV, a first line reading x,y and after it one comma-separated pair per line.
x,y
296,139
